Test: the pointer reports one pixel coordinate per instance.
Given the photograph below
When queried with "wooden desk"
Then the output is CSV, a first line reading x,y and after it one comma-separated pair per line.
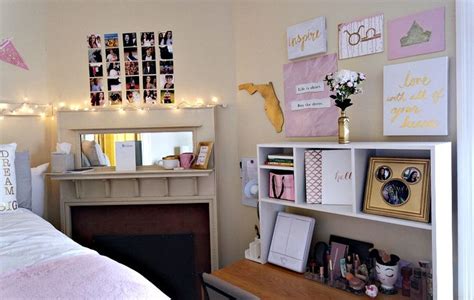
x,y
272,282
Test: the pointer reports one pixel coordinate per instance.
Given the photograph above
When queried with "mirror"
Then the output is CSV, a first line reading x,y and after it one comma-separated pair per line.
x,y
98,149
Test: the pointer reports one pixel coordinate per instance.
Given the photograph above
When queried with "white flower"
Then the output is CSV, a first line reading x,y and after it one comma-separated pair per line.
x,y
354,76
350,84
362,76
343,75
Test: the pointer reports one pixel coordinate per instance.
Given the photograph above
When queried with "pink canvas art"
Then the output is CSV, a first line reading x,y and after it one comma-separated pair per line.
x,y
308,109
9,54
416,34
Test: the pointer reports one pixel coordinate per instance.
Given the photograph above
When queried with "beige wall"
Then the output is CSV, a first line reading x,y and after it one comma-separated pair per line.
x,y
218,44
260,35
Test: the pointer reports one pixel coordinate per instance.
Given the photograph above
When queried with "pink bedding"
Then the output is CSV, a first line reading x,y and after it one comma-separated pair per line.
x,y
86,276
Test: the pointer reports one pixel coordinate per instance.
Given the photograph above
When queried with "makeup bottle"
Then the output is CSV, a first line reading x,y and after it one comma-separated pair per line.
x,y
415,285
331,272
406,273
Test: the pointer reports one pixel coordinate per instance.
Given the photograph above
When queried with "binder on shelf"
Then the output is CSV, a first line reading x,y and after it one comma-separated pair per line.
x,y
328,177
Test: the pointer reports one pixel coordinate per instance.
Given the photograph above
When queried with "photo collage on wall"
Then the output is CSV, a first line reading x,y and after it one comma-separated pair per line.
x,y
112,58
145,70
96,70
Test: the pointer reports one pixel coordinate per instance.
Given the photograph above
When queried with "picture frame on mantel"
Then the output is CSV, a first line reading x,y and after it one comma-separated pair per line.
x,y
204,150
399,188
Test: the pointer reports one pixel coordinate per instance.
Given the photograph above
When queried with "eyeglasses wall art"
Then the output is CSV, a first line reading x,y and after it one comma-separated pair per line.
x,y
131,68
398,187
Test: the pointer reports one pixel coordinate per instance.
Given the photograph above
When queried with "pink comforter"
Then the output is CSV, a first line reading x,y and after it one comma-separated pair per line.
x,y
88,276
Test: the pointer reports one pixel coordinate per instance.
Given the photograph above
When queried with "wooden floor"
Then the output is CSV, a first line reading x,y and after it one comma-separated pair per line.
x,y
272,282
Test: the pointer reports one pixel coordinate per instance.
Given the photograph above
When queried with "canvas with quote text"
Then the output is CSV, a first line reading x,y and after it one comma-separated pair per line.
x,y
308,109
307,38
416,98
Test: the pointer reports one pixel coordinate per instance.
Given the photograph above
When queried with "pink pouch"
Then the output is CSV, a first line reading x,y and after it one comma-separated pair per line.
x,y
282,186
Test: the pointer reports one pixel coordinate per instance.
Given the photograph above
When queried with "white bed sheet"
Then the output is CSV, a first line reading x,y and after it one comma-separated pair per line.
x,y
26,239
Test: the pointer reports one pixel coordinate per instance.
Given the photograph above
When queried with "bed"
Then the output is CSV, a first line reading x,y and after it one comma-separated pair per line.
x,y
39,262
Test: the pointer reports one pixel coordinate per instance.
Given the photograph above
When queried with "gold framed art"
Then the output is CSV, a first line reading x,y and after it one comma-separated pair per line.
x,y
204,150
399,188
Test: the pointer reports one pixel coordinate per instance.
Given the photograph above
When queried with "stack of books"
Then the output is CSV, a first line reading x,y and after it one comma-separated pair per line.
x,y
282,160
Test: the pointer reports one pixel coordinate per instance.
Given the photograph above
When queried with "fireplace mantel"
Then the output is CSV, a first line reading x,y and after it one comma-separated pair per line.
x,y
147,185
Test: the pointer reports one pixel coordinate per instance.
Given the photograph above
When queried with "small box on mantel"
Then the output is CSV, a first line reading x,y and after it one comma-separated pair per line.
x,y
328,177
61,162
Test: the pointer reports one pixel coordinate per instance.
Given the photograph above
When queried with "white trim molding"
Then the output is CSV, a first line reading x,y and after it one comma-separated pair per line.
x,y
465,148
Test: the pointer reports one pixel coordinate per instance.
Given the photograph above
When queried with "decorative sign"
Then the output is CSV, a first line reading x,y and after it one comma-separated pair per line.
x,y
416,98
362,37
310,87
313,103
416,34
310,113
307,38
9,54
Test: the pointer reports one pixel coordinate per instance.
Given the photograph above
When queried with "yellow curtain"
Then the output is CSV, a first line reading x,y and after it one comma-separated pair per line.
x,y
107,142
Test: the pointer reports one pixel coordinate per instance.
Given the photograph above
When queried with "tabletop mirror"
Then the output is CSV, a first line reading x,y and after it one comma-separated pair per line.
x,y
98,149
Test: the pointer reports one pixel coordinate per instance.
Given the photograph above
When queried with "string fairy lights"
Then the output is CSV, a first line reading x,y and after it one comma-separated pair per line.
x,y
27,109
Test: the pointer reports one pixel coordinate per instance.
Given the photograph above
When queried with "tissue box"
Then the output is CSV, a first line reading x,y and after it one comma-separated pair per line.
x,y
62,162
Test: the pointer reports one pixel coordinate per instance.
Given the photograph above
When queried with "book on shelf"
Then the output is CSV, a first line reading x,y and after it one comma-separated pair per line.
x,y
280,156
80,170
281,164
277,160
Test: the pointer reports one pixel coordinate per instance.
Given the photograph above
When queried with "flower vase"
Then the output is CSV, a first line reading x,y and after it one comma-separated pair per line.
x,y
343,128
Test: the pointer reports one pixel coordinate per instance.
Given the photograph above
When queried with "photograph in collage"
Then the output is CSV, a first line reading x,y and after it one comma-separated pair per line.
x,y
167,82
115,98
112,54
167,96
93,41
147,39
149,82
95,70
166,67
96,85
148,53
131,54
133,97
149,67
97,99
129,39
149,96
132,83
131,68
95,56
111,40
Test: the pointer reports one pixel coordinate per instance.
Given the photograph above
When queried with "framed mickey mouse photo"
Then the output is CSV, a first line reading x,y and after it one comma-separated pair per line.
x,y
398,187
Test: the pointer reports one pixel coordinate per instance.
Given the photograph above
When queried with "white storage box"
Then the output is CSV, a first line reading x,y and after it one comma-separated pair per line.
x,y
328,176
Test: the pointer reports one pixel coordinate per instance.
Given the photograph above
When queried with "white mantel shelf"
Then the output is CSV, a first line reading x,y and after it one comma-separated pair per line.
x,y
141,172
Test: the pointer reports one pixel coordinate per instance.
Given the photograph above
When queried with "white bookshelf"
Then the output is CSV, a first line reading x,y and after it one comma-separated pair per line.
x,y
440,226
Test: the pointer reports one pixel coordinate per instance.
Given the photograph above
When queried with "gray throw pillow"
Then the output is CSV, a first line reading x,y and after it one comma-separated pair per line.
x,y
23,179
